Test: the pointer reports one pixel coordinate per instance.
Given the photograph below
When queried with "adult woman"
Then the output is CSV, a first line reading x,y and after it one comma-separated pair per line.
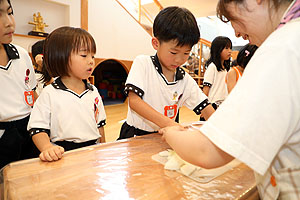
x,y
257,123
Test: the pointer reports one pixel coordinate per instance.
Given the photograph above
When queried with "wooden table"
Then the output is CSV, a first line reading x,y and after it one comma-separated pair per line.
x,y
118,171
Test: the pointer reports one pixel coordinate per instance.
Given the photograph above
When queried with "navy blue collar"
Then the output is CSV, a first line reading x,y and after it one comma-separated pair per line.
x,y
58,84
11,51
180,73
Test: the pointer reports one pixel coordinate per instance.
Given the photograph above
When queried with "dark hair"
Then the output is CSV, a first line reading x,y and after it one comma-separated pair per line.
x,y
225,16
245,55
58,48
175,23
37,48
217,46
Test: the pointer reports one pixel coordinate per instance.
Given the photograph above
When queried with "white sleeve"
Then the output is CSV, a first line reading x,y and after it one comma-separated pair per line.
x,y
41,112
196,99
209,75
261,113
137,77
101,121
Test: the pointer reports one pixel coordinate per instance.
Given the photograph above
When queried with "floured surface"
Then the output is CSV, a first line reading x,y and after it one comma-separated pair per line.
x,y
199,174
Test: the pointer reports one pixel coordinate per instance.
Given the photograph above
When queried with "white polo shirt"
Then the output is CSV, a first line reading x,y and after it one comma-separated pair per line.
x,y
147,81
13,85
215,80
67,116
259,122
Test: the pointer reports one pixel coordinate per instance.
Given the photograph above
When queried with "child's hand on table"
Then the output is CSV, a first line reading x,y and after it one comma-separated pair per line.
x,y
171,129
52,153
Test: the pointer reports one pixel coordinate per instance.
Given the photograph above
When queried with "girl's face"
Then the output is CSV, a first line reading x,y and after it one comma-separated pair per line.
x,y
252,20
170,55
225,53
81,64
7,23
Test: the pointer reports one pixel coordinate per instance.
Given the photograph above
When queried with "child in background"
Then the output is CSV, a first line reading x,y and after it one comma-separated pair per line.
x,y
17,82
156,86
37,55
236,72
69,112
218,64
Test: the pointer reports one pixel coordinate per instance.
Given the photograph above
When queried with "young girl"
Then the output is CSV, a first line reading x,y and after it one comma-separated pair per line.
x,y
17,81
236,72
69,112
214,85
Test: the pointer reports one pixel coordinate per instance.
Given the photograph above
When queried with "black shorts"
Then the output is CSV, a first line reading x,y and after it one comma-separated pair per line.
x,y
16,143
128,131
73,145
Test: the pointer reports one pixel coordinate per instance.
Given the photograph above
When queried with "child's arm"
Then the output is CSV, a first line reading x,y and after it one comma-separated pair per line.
x,y
205,90
101,132
194,147
231,80
49,152
35,95
207,112
146,111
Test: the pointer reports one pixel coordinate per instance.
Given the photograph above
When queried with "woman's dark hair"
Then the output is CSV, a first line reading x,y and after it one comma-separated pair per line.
x,y
217,46
175,23
225,16
245,55
58,48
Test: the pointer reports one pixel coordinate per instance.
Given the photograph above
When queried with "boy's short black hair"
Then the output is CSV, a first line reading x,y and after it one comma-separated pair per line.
x,y
37,48
175,23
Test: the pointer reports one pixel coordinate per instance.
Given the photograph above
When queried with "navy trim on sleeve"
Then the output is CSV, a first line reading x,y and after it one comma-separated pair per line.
x,y
34,131
201,106
101,123
132,88
207,84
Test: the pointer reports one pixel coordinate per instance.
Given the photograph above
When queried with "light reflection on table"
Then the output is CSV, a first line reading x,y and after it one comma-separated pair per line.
x,y
119,170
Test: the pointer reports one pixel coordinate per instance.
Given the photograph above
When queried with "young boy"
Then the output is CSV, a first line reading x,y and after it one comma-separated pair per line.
x,y
17,81
156,85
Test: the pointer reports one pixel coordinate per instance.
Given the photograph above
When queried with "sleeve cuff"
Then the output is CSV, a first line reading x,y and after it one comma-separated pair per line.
x,y
34,131
101,123
207,84
201,106
132,88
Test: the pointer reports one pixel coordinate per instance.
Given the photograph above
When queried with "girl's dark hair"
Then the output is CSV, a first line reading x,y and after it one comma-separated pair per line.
x,y
217,46
225,16
58,48
245,55
175,23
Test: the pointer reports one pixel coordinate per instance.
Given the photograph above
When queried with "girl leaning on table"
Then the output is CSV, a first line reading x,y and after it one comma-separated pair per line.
x,y
17,84
69,113
259,122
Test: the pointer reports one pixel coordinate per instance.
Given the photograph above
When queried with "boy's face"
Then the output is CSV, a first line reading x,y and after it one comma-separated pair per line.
x,y
170,55
7,23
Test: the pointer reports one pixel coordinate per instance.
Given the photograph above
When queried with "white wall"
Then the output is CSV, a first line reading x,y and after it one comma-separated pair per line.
x,y
117,34
56,13
212,27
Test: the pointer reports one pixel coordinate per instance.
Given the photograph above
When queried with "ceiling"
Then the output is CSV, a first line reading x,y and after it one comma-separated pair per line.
x,y
200,8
